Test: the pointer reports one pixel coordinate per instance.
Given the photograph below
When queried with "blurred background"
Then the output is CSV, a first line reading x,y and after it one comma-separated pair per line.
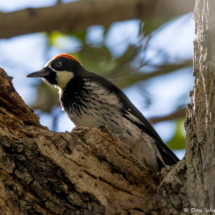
x,y
149,59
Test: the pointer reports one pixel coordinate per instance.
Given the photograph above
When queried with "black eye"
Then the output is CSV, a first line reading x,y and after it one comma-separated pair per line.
x,y
58,64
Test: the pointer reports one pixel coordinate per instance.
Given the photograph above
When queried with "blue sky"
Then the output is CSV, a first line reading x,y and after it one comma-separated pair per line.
x,y
24,54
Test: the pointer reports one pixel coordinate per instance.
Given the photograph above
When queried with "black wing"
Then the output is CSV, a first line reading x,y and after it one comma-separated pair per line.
x,y
131,113
136,117
140,121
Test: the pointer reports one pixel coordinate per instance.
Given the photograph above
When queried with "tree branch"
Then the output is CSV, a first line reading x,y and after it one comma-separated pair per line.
x,y
142,76
82,14
172,116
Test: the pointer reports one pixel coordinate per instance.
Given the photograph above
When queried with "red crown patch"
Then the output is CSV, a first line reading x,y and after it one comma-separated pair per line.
x,y
67,56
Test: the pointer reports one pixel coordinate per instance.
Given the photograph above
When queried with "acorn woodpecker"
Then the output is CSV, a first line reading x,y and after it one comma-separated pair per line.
x,y
92,101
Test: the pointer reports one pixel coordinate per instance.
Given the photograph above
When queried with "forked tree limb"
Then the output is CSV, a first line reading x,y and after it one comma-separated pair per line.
x,y
83,14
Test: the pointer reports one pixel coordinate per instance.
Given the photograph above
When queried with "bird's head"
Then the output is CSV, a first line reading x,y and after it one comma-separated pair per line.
x,y
59,70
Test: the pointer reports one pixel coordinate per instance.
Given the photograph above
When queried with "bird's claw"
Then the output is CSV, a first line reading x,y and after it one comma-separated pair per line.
x,y
105,129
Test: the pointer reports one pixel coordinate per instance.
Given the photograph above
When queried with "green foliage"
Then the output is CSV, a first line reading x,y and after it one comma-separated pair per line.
x,y
178,141
79,34
149,26
53,36
96,59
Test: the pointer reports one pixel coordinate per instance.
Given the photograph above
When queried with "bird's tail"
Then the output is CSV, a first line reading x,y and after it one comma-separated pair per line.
x,y
168,156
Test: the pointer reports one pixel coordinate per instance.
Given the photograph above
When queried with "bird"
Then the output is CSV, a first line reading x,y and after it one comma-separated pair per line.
x,y
90,100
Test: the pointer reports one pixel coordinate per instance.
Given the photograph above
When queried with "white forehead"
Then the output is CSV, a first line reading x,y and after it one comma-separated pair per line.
x,y
48,64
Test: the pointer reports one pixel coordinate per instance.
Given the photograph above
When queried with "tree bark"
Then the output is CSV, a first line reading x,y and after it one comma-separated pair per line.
x,y
201,112
83,172
83,14
89,172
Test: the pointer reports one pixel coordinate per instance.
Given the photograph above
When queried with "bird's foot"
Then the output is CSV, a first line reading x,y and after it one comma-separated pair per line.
x,y
118,137
105,129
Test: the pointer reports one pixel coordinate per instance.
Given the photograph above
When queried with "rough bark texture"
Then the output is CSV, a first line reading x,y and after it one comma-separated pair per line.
x,y
89,172
200,124
85,172
82,14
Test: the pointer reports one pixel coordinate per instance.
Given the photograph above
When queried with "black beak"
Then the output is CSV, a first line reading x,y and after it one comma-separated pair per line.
x,y
41,73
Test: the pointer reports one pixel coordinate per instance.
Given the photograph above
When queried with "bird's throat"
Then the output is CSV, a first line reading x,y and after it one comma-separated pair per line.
x,y
62,79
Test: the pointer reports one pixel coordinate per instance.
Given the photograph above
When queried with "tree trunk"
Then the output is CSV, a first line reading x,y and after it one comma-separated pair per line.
x,y
89,172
